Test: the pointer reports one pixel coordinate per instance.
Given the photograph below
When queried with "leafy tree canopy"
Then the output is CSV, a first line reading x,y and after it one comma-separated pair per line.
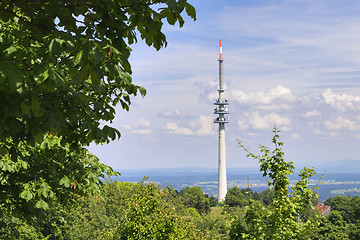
x,y
42,176
64,64
194,197
235,197
281,219
343,204
63,69
332,227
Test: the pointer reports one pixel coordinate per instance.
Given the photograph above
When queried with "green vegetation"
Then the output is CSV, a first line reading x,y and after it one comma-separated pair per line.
x,y
195,198
73,210
63,69
282,218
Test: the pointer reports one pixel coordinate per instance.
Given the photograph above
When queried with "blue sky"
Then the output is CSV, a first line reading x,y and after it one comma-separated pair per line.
x,y
295,63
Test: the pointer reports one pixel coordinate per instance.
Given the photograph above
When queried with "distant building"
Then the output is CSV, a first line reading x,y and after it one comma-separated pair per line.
x,y
323,209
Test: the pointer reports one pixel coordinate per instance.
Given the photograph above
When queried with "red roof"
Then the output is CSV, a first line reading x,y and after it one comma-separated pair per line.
x,y
322,208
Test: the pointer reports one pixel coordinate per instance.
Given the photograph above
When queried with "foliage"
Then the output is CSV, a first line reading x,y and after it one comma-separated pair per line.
x,y
63,69
266,197
343,204
214,225
43,175
355,203
234,197
64,64
149,216
281,219
194,197
343,220
92,218
332,227
124,211
212,200
243,197
130,211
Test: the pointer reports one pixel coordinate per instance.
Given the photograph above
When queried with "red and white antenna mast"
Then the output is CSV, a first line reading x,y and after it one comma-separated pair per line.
x,y
222,110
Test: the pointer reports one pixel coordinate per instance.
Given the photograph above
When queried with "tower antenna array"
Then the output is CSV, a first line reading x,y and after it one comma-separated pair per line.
x,y
221,110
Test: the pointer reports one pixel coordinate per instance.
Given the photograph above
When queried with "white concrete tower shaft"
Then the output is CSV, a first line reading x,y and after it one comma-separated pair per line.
x,y
221,110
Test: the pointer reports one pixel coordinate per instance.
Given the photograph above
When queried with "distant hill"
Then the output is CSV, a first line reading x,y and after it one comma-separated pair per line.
x,y
206,178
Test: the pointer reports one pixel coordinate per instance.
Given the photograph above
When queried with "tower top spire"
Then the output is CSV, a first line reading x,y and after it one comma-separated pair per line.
x,y
220,58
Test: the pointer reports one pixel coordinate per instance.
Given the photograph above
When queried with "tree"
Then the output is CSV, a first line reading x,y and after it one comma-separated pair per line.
x,y
235,197
213,201
281,219
332,227
266,197
63,69
355,203
149,216
124,211
343,204
64,64
194,197
43,177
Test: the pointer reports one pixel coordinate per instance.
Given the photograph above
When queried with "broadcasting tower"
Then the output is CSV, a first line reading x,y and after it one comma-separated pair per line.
x,y
222,110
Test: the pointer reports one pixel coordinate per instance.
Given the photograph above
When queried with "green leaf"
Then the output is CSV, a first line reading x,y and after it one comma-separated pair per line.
x,y
26,107
56,77
142,91
110,132
170,18
42,204
35,105
14,75
172,4
95,79
55,46
3,150
78,57
190,10
26,194
41,74
65,181
95,55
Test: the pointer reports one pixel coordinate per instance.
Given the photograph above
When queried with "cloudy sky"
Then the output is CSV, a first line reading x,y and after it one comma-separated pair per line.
x,y
293,63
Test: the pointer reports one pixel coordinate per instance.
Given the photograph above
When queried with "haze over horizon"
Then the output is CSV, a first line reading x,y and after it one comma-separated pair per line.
x,y
295,63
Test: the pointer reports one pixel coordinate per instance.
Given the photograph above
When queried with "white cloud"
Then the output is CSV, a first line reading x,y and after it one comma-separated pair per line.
x,y
208,90
141,127
341,123
170,113
273,107
173,128
203,126
127,127
340,101
260,97
313,113
296,137
142,131
243,124
265,122
142,123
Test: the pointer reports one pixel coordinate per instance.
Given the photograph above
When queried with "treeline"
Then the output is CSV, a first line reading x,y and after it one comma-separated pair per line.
x,y
343,222
124,210
145,210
